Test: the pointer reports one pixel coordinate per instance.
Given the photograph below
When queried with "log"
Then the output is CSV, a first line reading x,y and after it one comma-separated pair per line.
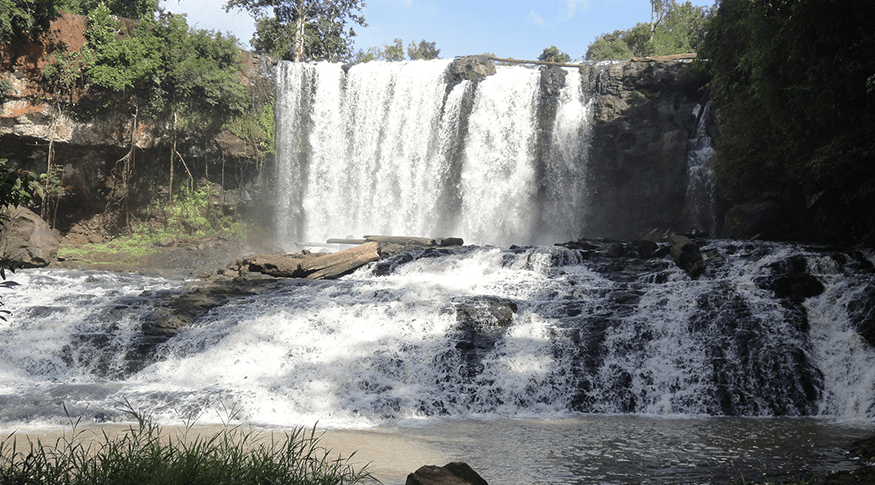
x,y
282,265
423,241
335,265
346,241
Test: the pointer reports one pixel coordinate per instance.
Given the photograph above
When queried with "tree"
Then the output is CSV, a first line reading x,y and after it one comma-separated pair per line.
x,y
791,79
674,29
658,11
316,28
609,47
131,9
553,54
424,50
20,18
394,52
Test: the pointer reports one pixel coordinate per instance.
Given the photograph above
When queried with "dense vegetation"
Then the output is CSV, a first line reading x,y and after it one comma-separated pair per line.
x,y
793,80
675,29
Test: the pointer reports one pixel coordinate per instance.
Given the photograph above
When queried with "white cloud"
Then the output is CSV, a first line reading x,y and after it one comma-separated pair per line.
x,y
536,18
573,5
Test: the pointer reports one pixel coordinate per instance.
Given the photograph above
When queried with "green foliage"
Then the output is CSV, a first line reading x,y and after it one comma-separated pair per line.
x,y
395,52
124,64
609,47
164,67
553,54
132,9
22,18
315,29
792,79
679,31
199,74
17,187
145,454
423,50
257,128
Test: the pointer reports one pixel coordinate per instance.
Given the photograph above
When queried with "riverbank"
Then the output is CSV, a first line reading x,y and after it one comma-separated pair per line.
x,y
388,457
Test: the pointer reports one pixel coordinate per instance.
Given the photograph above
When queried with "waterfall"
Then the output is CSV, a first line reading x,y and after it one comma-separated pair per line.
x,y
539,331
395,148
700,213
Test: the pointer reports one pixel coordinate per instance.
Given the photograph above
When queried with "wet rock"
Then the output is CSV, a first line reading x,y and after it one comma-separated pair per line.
x,y
471,68
27,239
791,280
687,255
481,322
449,474
861,312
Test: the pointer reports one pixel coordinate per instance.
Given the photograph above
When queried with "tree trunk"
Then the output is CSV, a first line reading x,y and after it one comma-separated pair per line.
x,y
299,37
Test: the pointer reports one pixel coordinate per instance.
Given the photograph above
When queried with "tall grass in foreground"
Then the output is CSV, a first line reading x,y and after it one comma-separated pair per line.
x,y
146,455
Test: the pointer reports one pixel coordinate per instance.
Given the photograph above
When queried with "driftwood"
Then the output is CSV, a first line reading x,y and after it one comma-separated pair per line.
x,y
511,60
334,265
403,240
675,57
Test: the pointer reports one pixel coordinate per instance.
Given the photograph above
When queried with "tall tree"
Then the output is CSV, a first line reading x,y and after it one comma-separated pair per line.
x,y
675,28
423,50
316,28
553,54
658,11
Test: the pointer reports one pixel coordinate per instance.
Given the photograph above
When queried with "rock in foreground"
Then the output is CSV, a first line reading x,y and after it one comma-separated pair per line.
x,y
449,474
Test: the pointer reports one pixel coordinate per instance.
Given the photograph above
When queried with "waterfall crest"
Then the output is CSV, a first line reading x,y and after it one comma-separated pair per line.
x,y
395,148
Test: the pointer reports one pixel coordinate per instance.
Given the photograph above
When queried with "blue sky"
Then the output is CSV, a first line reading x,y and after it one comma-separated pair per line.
x,y
506,28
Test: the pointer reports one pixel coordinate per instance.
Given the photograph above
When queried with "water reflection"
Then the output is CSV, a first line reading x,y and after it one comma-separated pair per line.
x,y
635,449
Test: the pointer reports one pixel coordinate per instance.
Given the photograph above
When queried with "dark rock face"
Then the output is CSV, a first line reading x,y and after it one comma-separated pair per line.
x,y
862,313
449,474
27,239
643,121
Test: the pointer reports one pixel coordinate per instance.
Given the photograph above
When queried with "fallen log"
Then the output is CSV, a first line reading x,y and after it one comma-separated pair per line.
x,y
424,241
279,265
335,265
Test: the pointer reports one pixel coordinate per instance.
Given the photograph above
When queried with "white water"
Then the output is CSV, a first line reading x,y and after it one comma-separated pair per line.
x,y
701,188
375,348
379,349
390,148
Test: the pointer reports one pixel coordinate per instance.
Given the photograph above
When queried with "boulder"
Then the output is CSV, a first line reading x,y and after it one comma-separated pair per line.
x,y
687,255
449,474
471,68
27,239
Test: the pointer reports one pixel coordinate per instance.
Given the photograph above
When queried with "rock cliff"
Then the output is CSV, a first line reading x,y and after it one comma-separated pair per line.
x,y
91,150
643,121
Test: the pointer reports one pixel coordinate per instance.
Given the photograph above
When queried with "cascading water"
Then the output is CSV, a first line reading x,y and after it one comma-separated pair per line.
x,y
394,148
475,333
699,209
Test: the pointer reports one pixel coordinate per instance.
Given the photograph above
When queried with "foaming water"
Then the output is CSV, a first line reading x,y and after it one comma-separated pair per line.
x,y
398,148
480,351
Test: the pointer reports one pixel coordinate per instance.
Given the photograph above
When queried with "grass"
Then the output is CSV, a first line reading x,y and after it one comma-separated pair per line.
x,y
189,216
147,455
